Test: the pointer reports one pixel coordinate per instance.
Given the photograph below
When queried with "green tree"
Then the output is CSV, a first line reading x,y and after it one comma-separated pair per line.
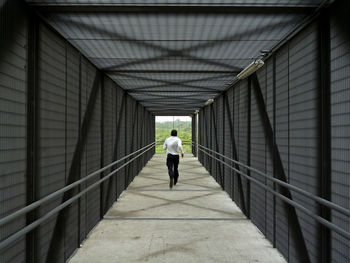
x,y
184,132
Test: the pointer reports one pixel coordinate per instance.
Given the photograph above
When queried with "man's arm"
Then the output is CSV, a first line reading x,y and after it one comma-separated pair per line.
x,y
164,145
181,149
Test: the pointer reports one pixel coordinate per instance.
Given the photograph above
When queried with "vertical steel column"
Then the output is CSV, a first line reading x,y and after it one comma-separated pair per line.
x,y
32,128
232,129
248,143
125,141
206,137
194,139
79,157
143,135
102,147
65,138
274,144
325,133
117,136
223,141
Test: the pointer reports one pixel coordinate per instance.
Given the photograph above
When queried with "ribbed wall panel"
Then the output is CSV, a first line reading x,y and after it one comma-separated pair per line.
x,y
282,141
63,75
293,113
340,130
83,160
72,133
13,113
109,130
227,140
220,138
93,147
51,173
258,161
236,110
129,137
243,132
304,130
121,138
269,201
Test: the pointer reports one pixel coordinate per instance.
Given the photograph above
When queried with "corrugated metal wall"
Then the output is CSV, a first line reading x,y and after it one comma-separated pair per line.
x,y
13,125
276,124
82,122
340,128
51,173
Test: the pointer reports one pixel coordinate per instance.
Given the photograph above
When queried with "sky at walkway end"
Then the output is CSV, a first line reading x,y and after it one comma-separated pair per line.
x,y
172,118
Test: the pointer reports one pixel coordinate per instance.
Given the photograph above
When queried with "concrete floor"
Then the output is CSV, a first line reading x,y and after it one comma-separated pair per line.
x,y
194,222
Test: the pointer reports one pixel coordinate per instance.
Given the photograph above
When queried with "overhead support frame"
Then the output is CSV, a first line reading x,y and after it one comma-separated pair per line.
x,y
194,9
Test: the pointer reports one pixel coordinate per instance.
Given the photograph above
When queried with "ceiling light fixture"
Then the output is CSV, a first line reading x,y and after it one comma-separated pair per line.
x,y
250,69
210,101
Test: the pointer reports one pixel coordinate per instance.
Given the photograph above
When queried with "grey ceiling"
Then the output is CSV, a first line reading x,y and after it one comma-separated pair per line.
x,y
170,55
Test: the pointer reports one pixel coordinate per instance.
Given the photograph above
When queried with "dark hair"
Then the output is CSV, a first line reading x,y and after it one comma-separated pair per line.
x,y
174,133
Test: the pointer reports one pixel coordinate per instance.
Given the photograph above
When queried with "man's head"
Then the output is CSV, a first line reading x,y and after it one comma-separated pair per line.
x,y
174,133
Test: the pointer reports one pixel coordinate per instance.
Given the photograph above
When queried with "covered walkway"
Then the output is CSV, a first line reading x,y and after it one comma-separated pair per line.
x,y
196,221
267,85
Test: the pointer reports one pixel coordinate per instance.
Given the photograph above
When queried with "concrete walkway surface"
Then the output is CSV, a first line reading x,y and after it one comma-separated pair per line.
x,y
194,222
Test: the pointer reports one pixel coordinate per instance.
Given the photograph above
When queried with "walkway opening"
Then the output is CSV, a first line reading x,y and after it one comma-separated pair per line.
x,y
183,125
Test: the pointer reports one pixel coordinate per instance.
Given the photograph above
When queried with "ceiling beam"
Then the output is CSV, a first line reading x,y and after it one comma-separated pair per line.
x,y
174,71
171,111
150,104
175,91
151,100
173,114
172,107
165,97
173,9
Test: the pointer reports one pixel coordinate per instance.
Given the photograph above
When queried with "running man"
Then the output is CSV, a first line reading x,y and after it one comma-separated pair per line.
x,y
173,146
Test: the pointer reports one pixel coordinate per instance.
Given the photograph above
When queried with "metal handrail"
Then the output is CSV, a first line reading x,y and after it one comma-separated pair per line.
x,y
36,204
325,202
318,199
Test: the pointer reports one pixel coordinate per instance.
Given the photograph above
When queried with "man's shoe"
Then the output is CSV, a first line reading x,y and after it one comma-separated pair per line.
x,y
171,183
175,181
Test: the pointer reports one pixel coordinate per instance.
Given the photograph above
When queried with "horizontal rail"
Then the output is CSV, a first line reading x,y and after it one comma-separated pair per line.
x,y
319,219
54,211
320,200
45,199
183,142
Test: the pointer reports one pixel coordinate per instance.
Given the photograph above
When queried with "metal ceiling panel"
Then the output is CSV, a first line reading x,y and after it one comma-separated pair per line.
x,y
173,50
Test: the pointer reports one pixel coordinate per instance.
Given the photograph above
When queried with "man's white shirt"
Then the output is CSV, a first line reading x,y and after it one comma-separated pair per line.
x,y
173,145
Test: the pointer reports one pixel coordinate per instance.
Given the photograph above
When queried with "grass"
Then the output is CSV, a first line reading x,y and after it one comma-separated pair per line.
x,y
184,132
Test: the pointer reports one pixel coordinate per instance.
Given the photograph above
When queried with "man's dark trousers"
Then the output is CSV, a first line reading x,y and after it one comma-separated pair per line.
x,y
172,161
